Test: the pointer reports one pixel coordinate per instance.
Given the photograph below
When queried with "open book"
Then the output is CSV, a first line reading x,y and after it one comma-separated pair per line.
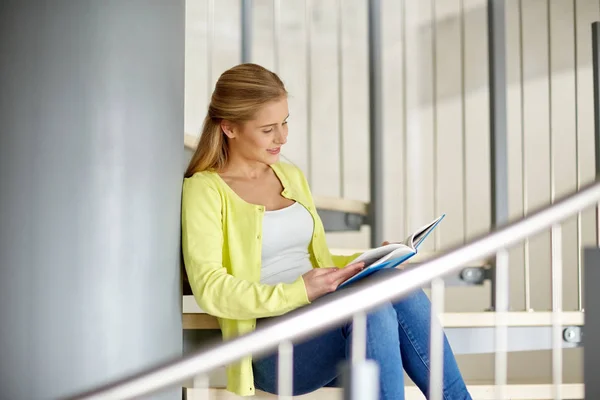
x,y
393,254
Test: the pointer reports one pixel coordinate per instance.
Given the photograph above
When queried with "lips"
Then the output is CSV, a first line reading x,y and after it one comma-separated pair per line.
x,y
274,151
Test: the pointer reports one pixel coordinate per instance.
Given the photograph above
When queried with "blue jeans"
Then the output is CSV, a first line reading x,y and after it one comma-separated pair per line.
x,y
397,339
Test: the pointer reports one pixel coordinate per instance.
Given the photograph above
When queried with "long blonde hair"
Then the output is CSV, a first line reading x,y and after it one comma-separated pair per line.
x,y
239,93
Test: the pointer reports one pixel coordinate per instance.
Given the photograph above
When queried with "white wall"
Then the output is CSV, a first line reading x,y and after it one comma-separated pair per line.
x,y
549,92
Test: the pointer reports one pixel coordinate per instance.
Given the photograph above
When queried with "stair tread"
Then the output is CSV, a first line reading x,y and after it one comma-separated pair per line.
x,y
195,318
535,391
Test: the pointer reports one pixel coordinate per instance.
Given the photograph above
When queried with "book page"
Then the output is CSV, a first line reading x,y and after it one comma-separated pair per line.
x,y
393,250
391,255
401,251
417,238
373,255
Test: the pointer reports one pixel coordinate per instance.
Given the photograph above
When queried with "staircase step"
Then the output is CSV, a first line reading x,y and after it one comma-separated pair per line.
x,y
512,318
195,318
478,392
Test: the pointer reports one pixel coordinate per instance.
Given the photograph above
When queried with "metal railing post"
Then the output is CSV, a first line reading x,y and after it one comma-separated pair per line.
x,y
340,91
436,346
276,34
596,62
308,10
498,140
360,377
577,163
210,42
285,371
591,357
557,300
524,169
501,329
375,124
246,31
592,255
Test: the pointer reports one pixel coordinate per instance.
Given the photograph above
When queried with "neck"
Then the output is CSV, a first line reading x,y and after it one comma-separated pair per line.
x,y
240,167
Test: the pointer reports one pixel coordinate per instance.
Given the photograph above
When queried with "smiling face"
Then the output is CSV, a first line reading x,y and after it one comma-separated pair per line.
x,y
260,139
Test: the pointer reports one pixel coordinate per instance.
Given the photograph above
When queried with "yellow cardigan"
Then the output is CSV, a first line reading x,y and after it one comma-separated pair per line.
x,y
221,240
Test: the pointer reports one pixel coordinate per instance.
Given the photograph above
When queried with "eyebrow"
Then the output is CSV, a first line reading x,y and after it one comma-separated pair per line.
x,y
264,126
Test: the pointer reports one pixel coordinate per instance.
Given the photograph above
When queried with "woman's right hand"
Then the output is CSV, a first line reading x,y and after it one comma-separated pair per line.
x,y
320,281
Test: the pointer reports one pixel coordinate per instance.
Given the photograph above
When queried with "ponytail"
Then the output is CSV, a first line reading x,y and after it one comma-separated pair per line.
x,y
212,150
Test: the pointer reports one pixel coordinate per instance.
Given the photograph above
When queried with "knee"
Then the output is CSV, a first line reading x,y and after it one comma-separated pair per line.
x,y
414,305
382,319
382,330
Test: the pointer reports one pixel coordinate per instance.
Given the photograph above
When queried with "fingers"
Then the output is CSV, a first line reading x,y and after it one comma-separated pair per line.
x,y
331,278
348,271
325,271
358,265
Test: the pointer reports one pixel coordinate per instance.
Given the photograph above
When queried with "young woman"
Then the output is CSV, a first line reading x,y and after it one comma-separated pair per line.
x,y
254,248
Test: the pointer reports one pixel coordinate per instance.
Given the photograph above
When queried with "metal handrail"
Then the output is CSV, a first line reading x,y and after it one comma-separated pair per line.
x,y
335,308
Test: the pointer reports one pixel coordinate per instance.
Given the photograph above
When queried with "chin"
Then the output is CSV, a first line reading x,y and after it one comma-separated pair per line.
x,y
272,159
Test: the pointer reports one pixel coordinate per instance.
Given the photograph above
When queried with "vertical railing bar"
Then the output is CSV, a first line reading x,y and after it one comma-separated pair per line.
x,y
308,21
340,68
577,166
556,237
201,385
376,155
276,33
501,329
359,376
404,122
557,300
498,139
524,181
596,73
359,338
463,118
246,39
437,341
210,37
550,125
436,241
285,371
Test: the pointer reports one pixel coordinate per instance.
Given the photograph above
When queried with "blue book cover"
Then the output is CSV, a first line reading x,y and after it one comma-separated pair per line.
x,y
393,254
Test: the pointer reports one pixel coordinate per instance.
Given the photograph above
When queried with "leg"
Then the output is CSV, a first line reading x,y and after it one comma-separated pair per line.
x,y
383,346
316,363
414,313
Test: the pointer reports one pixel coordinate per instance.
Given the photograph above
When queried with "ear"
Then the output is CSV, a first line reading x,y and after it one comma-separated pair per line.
x,y
229,129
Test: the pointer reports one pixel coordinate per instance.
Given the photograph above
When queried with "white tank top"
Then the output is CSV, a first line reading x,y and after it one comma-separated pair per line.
x,y
285,239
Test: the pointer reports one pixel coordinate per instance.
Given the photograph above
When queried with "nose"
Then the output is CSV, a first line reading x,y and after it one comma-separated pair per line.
x,y
281,135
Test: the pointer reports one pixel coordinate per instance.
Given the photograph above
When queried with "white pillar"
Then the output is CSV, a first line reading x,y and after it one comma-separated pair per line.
x,y
91,154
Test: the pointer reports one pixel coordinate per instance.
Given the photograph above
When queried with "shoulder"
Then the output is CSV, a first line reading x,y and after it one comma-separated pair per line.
x,y
201,185
204,179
